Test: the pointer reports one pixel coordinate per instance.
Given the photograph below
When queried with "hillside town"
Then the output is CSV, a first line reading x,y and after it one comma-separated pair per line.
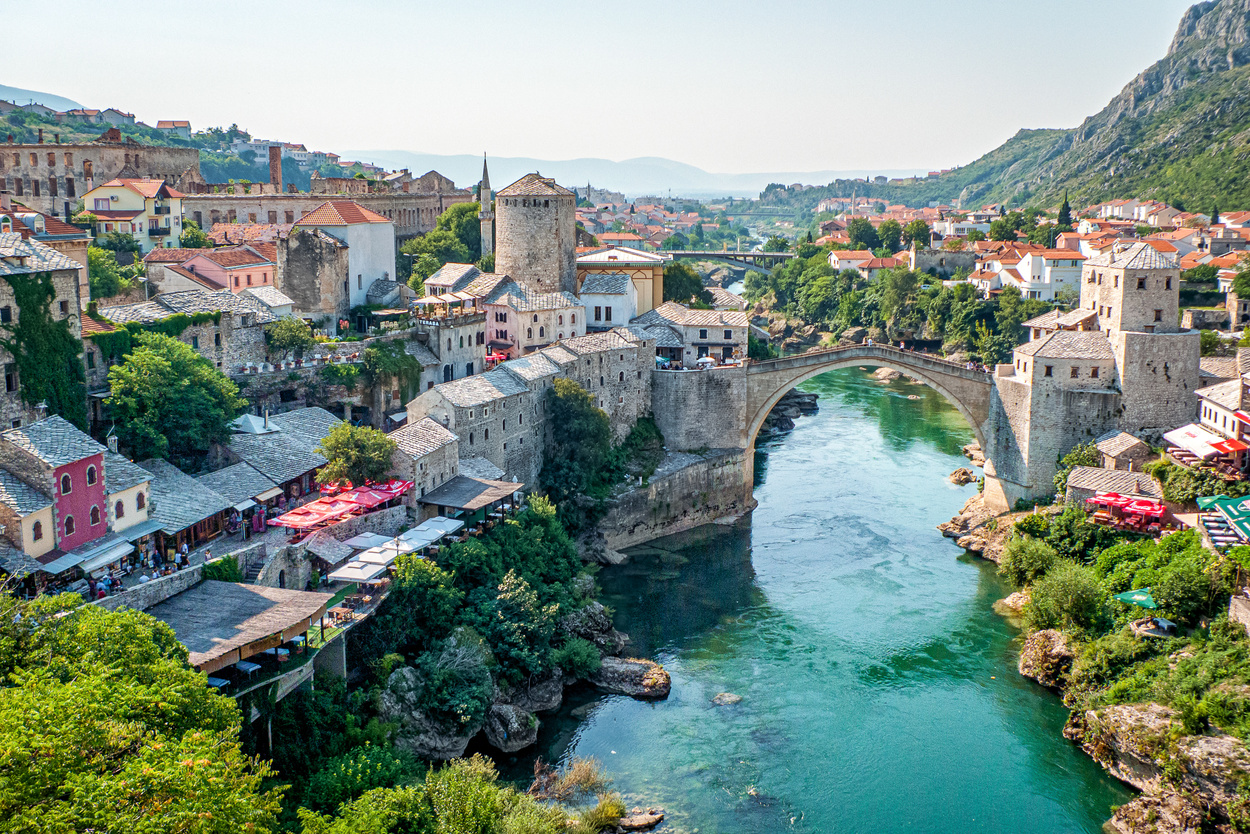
x,y
348,499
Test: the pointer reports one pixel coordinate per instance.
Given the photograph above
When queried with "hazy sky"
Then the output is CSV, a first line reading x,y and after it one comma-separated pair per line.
x,y
729,86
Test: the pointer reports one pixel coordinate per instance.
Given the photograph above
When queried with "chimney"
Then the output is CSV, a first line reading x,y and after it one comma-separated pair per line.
x,y
40,136
112,441
56,137
266,418
275,167
5,203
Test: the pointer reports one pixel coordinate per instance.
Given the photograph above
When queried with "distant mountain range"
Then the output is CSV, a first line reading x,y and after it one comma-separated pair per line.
x,y
19,96
634,177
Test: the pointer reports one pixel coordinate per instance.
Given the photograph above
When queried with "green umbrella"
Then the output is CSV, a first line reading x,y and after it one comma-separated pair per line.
x,y
1208,501
1141,597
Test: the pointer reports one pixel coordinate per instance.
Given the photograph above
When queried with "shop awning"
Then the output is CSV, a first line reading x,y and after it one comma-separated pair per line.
x,y
245,505
366,540
358,572
1230,446
1236,512
428,301
143,528
1194,439
269,494
367,497
438,523
377,556
314,513
115,551
418,538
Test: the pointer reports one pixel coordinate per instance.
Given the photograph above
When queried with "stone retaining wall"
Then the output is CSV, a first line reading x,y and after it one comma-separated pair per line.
x,y
143,597
716,486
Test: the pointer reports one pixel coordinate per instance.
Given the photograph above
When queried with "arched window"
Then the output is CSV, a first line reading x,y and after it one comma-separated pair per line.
x,y
542,331
486,434
119,510
622,379
529,332
600,382
561,336
573,319
36,530
69,525
90,475
67,484
561,320
281,579
573,334
140,501
95,516
470,438
535,317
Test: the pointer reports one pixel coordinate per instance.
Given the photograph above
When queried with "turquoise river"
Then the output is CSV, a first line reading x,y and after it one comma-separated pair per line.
x,y
879,689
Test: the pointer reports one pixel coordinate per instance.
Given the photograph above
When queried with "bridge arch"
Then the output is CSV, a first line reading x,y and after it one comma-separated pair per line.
x,y
967,390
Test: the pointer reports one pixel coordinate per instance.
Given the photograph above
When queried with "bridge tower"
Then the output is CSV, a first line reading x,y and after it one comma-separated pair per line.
x,y
536,240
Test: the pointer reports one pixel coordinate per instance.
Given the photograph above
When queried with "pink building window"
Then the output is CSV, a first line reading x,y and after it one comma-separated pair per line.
x,y
67,484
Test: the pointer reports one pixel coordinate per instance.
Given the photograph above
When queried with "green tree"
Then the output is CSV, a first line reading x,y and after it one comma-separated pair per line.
x,y
518,628
441,246
917,233
776,243
193,237
106,277
104,727
1065,212
1069,598
675,241
1002,229
1215,214
975,234
1025,560
288,335
346,777
890,233
169,402
1082,454
118,242
579,466
681,283
355,454
1209,342
462,221
862,234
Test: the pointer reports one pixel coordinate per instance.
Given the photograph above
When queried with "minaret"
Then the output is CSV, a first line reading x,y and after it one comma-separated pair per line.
x,y
484,214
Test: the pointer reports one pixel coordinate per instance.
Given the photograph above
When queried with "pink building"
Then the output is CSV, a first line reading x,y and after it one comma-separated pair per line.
x,y
236,267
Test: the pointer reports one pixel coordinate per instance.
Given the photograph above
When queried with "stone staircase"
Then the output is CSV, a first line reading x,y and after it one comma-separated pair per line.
x,y
253,572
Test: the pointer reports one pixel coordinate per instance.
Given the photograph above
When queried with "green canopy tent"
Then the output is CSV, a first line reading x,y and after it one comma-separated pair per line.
x,y
1141,598
1208,501
1236,512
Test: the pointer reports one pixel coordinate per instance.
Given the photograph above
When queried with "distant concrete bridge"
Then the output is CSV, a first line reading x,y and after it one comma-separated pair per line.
x,y
769,259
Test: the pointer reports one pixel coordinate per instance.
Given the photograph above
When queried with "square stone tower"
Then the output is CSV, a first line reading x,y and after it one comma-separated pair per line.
x,y
1135,290
535,234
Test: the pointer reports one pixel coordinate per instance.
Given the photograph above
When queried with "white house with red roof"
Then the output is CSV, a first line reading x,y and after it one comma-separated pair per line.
x,y
175,127
146,208
370,240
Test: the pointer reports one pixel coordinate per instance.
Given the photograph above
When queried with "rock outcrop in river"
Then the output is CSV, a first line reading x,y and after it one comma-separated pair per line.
x,y
1046,658
634,677
416,732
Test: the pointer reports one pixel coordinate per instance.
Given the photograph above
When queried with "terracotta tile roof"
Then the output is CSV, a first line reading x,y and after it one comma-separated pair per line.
x,y
171,256
173,123
340,213
235,256
92,325
202,280
148,188
534,185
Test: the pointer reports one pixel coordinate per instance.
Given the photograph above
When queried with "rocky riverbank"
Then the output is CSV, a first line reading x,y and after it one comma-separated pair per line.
x,y
792,405
511,722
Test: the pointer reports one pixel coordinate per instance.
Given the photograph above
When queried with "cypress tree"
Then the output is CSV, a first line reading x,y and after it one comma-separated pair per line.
x,y
1065,212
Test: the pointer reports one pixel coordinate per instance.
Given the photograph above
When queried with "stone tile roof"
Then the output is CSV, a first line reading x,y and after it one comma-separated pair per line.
x,y
533,367
1116,443
1225,394
1069,344
484,284
481,389
1114,480
1077,317
340,213
479,467
236,483
524,300
606,283
534,185
19,256
178,500
663,335
53,440
204,301
558,353
121,474
1048,319
269,296
144,311
21,497
311,423
424,355
327,547
278,456
724,299
597,342
455,276
422,437
1140,255
380,289
1218,367
17,564
195,277
670,312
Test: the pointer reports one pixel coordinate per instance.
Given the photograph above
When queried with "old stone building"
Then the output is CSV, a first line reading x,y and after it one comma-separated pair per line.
x,y
52,232
427,455
414,208
535,237
312,271
51,176
22,260
1137,372
521,320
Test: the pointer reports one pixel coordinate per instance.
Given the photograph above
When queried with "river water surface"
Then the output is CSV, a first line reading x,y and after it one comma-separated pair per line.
x,y
879,690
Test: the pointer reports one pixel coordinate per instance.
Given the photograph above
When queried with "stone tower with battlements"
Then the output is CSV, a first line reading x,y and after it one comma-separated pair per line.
x,y
485,214
535,234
